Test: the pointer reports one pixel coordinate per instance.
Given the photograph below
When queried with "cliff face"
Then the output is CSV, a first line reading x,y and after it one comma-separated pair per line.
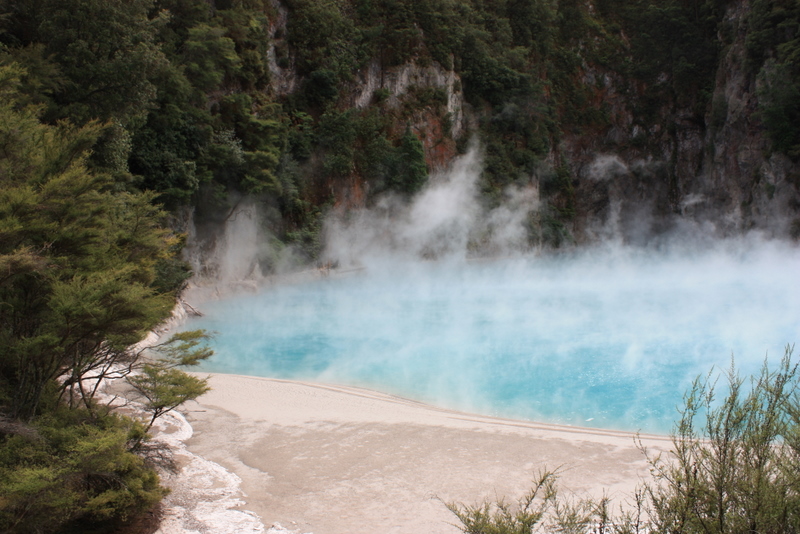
x,y
419,95
650,168
715,167
438,126
742,182
609,120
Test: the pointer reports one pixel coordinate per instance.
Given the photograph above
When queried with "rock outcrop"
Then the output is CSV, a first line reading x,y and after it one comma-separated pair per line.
x,y
714,169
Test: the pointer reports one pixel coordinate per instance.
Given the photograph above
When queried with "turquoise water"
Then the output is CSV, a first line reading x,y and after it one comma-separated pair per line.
x,y
605,338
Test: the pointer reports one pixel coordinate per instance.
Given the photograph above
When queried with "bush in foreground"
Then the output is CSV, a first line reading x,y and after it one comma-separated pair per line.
x,y
74,472
734,467
78,287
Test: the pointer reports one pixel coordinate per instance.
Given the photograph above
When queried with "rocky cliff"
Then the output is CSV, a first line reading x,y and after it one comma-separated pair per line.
x,y
663,156
715,167
624,120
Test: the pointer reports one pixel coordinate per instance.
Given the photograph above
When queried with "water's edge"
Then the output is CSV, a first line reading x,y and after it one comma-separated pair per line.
x,y
204,497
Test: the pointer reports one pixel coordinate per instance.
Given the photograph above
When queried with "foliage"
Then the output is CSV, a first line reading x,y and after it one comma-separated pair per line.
x,y
324,37
733,465
171,274
105,53
183,87
337,134
543,509
772,27
249,30
486,76
773,47
79,285
677,39
733,468
259,135
78,260
167,150
208,57
409,172
504,518
306,238
73,472
198,110
779,102
161,384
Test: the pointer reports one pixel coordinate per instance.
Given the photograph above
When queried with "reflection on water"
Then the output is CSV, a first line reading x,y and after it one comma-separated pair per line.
x,y
608,338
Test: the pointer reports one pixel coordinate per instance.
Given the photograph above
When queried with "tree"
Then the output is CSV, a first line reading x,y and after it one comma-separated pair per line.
x,y
410,171
78,260
79,284
161,384
107,53
733,467
74,473
209,56
324,38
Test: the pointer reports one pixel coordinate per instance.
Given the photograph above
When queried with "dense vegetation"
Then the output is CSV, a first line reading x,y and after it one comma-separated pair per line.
x,y
773,51
182,89
83,278
116,113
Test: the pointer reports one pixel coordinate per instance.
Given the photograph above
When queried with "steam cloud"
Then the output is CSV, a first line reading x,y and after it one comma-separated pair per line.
x,y
608,335
612,334
232,255
444,221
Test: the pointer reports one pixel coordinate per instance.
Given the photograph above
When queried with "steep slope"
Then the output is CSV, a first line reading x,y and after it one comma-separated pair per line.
x,y
713,164
622,118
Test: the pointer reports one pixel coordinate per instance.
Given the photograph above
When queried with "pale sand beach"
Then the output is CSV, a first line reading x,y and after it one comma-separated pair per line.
x,y
341,460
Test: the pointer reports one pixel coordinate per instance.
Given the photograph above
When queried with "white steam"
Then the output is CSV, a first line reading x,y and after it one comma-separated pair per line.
x,y
607,167
508,225
444,221
228,252
238,253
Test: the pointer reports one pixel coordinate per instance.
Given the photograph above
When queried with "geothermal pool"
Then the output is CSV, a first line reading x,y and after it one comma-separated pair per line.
x,y
606,337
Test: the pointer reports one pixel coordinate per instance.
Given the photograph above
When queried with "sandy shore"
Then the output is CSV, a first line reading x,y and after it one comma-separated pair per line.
x,y
339,460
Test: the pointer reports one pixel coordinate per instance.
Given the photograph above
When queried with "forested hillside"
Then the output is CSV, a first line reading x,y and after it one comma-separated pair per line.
x,y
308,105
122,121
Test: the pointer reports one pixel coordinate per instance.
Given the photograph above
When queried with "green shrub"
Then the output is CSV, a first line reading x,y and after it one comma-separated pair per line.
x,y
409,172
733,468
505,518
73,472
